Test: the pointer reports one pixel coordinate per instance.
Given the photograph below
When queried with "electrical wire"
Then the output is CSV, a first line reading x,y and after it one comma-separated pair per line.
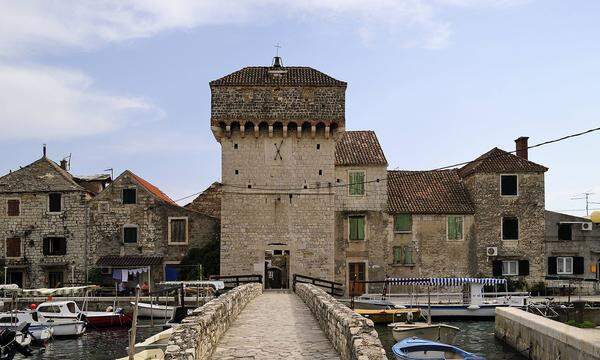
x,y
413,172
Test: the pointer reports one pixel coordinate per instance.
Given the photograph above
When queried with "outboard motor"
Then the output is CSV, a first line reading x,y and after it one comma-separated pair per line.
x,y
9,346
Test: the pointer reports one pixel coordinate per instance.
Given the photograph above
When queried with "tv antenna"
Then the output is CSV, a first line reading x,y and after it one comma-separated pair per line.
x,y
585,196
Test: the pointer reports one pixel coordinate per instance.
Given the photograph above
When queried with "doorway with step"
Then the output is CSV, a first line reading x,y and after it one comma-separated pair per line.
x,y
356,271
277,264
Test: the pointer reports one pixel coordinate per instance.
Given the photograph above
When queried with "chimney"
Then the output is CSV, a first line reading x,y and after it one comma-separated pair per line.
x,y
277,63
63,164
44,150
521,147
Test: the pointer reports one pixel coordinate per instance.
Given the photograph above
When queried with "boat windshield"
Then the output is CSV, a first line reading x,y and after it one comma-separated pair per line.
x,y
49,309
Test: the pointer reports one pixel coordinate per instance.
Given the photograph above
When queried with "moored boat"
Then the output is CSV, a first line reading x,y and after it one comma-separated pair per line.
x,y
422,330
63,317
417,349
154,310
15,320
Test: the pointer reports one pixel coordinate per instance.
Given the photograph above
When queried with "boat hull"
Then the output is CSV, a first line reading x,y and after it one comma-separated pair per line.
x,y
146,310
96,320
460,311
412,349
66,328
435,332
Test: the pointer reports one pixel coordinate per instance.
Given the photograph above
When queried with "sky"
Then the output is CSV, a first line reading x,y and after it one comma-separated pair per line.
x,y
124,84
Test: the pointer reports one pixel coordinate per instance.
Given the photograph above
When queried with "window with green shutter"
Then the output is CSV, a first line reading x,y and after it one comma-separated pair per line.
x,y
408,260
403,223
356,183
455,227
398,255
403,255
357,227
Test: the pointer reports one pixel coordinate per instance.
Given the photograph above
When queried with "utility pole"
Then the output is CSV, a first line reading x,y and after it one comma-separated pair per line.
x,y
586,196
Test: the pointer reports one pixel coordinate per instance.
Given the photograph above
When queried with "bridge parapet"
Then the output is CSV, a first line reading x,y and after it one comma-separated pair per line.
x,y
198,335
353,336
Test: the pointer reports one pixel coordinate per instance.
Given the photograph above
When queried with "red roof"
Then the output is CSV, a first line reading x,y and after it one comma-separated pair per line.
x,y
359,148
499,161
153,189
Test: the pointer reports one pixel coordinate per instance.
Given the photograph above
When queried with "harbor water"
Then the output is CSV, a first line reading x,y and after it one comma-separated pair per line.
x,y
94,345
475,337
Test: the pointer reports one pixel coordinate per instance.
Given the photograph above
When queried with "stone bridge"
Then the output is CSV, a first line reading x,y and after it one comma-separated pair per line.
x,y
246,323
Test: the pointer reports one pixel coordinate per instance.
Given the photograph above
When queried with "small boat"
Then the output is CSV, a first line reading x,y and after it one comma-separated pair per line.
x,y
94,319
64,317
155,310
149,354
106,319
433,332
386,316
420,349
16,319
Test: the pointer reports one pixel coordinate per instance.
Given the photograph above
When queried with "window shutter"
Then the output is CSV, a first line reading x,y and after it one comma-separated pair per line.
x,y
552,265
524,267
578,265
408,255
46,246
497,268
361,228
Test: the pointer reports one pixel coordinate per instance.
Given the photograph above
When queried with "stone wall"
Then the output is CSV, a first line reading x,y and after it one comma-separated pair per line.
x,y
539,338
34,224
198,335
528,207
353,336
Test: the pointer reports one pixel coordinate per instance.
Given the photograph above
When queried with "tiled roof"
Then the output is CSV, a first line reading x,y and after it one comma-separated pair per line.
x,y
500,161
209,202
42,175
129,260
359,148
282,76
153,189
428,192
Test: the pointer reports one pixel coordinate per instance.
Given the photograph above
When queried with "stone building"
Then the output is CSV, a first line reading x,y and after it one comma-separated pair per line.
x,y
138,230
572,248
43,217
300,194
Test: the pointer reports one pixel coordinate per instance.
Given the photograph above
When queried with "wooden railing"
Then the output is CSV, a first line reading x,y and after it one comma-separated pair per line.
x,y
232,281
331,287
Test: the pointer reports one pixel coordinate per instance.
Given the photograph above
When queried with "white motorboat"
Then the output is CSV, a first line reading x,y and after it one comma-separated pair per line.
x,y
64,317
422,330
154,310
15,320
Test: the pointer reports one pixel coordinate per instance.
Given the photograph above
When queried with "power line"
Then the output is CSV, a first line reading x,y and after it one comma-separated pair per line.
x,y
319,187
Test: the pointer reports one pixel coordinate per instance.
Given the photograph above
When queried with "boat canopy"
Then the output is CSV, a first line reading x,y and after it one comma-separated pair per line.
x,y
218,285
445,281
9,287
63,291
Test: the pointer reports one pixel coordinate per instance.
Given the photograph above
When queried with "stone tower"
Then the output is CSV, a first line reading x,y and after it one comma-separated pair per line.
x,y
277,127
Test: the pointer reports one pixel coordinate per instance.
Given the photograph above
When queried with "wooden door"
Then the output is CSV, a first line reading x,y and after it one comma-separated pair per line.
x,y
356,271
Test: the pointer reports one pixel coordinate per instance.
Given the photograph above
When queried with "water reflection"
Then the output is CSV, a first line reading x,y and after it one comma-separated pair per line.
x,y
475,336
94,345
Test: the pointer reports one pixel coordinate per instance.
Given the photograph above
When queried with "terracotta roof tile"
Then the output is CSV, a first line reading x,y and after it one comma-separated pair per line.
x,y
359,148
153,189
209,202
288,76
500,161
428,192
129,260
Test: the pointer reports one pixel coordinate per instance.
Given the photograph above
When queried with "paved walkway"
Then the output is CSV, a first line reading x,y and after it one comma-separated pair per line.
x,y
275,326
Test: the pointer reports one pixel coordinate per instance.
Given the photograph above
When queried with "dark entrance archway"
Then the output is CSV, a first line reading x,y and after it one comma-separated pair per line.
x,y
277,265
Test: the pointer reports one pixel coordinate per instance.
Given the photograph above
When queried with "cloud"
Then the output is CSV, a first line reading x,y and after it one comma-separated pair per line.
x,y
27,27
40,102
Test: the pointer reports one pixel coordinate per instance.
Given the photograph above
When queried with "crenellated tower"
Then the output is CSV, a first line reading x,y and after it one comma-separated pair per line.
x,y
277,127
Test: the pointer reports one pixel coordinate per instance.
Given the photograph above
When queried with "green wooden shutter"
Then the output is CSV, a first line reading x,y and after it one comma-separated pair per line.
x,y
397,254
356,180
361,228
455,227
353,228
402,222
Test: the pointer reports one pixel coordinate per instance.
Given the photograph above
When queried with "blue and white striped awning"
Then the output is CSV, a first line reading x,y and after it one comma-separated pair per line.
x,y
445,281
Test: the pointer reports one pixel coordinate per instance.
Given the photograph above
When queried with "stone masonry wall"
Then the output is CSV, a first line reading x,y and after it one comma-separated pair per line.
x,y
198,335
252,103
34,224
528,207
353,336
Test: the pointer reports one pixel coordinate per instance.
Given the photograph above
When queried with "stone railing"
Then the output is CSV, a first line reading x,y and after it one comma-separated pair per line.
x,y
352,335
539,338
198,335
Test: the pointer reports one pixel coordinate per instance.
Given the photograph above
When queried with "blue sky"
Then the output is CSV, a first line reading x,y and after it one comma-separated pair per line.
x,y
124,85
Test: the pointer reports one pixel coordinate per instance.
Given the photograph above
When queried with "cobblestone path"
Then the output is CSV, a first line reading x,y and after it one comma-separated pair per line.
x,y
275,326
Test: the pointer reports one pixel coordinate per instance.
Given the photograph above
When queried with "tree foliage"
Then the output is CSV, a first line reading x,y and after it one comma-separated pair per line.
x,y
201,262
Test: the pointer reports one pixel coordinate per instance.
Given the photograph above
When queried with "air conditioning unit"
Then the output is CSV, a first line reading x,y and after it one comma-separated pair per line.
x,y
492,251
587,226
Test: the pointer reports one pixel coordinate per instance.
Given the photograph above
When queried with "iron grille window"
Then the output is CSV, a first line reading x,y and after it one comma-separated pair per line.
x,y
13,207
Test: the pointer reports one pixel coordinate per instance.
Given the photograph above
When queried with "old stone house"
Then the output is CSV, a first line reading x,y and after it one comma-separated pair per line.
x,y
139,234
300,194
572,249
43,217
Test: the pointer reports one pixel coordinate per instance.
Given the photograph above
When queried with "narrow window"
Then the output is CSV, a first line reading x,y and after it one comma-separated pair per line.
x,y
55,202
509,185
129,196
130,234
235,146
510,268
564,232
356,183
320,172
402,223
564,265
13,207
455,227
357,227
55,246
13,248
318,146
178,231
397,254
510,228
237,172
